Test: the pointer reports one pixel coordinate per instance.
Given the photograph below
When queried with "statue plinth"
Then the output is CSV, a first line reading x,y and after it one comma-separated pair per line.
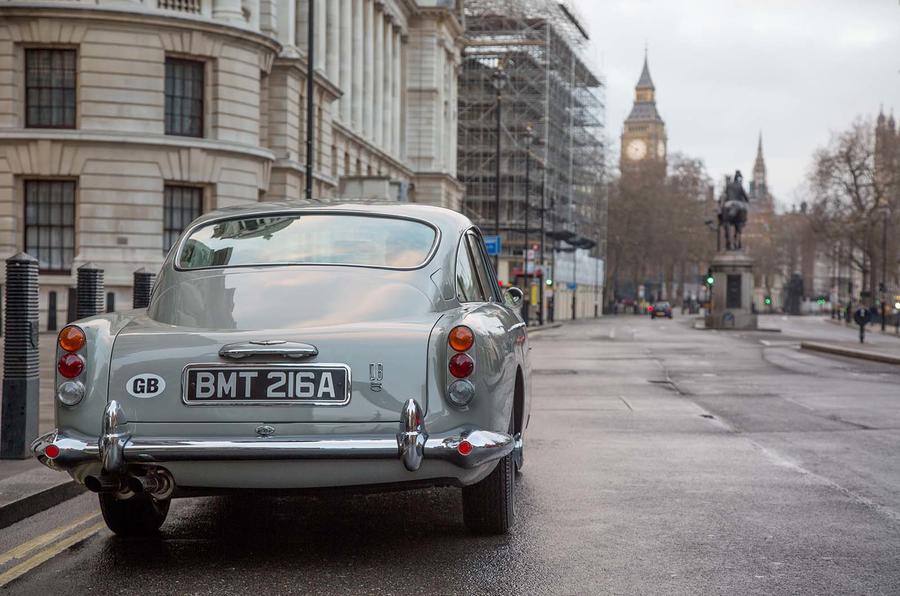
x,y
732,306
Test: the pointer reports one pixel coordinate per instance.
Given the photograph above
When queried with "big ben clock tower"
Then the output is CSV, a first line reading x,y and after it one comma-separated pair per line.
x,y
644,135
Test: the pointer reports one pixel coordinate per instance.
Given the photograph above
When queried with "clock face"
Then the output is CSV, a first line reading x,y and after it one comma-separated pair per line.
x,y
661,149
636,149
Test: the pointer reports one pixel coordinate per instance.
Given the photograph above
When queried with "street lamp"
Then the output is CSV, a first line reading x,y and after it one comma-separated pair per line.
x,y
883,287
543,237
529,140
498,79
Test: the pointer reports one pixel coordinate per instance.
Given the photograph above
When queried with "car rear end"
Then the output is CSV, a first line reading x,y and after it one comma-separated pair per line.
x,y
256,369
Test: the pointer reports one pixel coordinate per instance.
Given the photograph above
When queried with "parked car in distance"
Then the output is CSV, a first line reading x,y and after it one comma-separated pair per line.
x,y
660,309
296,346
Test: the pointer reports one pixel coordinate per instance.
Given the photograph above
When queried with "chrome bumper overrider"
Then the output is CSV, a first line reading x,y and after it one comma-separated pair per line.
x,y
116,447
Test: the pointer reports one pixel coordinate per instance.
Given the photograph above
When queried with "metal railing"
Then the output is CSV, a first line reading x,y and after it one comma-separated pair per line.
x,y
190,6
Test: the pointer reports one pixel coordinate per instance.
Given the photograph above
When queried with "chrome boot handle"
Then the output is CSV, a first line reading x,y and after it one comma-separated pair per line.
x,y
268,347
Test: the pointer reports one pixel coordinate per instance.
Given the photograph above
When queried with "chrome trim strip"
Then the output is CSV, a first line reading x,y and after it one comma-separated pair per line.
x,y
286,349
271,402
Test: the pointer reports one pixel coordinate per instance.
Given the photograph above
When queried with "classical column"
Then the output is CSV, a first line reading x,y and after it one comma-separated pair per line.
x,y
356,89
346,58
404,103
396,123
333,53
369,71
227,10
287,22
302,15
379,77
321,32
387,108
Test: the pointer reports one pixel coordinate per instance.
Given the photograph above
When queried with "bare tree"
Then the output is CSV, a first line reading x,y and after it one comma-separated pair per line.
x,y
656,228
850,198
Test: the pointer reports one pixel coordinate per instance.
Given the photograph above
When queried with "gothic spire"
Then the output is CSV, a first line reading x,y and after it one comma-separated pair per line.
x,y
645,82
759,185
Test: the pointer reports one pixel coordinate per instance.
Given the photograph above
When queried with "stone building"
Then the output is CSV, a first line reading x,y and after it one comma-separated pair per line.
x,y
121,121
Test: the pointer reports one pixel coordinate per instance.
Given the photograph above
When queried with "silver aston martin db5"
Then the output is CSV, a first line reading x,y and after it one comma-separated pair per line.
x,y
295,346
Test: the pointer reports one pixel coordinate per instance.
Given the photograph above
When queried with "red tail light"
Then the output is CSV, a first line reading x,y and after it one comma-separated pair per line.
x,y
70,365
52,451
464,448
461,365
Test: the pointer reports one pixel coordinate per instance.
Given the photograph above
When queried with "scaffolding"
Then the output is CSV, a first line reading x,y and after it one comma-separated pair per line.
x,y
549,90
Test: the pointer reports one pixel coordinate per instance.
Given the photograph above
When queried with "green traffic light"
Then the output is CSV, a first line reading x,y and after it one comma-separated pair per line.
x,y
549,282
710,280
768,300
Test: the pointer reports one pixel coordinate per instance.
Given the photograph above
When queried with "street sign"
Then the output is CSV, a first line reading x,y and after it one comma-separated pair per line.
x,y
492,244
572,285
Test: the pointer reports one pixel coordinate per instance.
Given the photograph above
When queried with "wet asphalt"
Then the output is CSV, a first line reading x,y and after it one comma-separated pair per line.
x,y
659,460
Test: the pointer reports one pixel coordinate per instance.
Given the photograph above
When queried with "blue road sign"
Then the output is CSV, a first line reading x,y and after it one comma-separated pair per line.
x,y
572,285
492,244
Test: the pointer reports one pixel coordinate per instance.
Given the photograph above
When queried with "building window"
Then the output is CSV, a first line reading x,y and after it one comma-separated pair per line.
x,y
49,88
181,206
184,97
50,223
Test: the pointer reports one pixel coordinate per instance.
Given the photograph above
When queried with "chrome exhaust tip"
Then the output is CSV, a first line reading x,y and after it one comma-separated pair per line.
x,y
157,483
105,484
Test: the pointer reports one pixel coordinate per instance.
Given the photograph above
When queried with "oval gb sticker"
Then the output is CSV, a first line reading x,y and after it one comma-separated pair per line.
x,y
145,385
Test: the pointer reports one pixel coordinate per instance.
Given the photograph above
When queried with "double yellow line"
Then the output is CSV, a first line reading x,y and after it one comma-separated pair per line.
x,y
47,547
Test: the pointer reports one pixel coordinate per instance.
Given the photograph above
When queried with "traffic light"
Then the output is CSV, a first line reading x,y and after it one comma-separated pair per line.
x,y
710,280
549,282
768,300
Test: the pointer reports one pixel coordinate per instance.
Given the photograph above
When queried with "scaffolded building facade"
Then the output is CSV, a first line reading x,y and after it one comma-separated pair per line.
x,y
551,103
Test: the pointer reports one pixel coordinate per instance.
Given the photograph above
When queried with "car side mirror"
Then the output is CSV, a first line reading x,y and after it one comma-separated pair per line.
x,y
513,297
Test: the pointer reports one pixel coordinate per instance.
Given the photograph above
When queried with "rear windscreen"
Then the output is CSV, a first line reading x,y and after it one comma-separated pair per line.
x,y
325,239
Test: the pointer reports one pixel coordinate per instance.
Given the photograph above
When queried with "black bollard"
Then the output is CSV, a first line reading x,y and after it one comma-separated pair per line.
x,y
143,285
21,375
71,301
89,291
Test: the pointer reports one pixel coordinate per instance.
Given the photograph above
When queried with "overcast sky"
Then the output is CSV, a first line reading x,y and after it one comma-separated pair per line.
x,y
726,69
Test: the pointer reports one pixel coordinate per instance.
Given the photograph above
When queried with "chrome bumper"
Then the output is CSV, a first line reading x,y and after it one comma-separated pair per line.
x,y
116,448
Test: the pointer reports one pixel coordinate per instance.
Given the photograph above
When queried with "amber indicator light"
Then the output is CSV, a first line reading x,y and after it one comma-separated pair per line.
x,y
461,338
71,338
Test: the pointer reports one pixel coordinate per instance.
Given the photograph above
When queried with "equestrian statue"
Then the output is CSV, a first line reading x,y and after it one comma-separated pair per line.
x,y
733,207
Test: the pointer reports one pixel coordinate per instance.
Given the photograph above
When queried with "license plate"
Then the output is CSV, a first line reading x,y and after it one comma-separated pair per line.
x,y
318,385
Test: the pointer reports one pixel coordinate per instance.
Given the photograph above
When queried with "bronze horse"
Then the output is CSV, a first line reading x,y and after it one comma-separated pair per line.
x,y
733,208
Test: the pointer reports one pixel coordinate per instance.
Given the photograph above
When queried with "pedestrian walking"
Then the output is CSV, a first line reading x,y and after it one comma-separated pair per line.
x,y
862,316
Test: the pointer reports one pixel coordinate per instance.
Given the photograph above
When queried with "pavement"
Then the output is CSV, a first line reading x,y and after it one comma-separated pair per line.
x,y
659,460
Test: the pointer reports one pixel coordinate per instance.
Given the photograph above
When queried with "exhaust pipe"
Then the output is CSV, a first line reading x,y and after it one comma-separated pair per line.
x,y
158,484
105,484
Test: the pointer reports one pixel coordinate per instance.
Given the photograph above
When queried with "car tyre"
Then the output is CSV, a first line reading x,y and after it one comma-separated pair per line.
x,y
137,517
489,505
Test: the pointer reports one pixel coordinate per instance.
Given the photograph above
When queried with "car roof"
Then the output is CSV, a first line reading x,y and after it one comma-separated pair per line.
x,y
445,219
